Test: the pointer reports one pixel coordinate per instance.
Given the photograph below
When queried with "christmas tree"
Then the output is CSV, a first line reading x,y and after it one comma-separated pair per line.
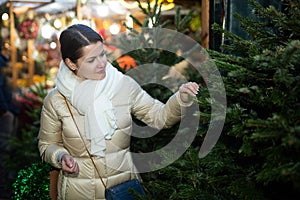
x,y
257,156
261,75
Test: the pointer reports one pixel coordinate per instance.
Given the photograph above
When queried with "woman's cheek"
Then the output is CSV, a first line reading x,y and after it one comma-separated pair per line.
x,y
84,72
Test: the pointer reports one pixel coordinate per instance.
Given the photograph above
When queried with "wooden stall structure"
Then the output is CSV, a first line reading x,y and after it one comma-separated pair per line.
x,y
205,23
19,7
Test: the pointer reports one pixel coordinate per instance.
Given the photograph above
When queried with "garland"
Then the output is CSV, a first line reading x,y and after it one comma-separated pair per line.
x,y
28,29
33,182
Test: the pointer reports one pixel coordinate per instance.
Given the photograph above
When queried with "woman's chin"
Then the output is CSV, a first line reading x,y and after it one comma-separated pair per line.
x,y
101,76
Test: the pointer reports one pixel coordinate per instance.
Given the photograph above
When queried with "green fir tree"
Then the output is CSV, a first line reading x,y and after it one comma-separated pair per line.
x,y
261,76
257,156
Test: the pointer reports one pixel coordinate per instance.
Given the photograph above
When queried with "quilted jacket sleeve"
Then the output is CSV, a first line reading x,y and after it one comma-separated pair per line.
x,y
155,113
50,134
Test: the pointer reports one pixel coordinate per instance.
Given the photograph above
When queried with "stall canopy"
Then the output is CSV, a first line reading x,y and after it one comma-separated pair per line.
x,y
46,6
21,6
57,6
114,7
27,3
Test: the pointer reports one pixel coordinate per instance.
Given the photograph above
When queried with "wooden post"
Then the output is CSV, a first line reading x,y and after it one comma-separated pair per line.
x,y
205,24
13,50
30,46
78,10
53,184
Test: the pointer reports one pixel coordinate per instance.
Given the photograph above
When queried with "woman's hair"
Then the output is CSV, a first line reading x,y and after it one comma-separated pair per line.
x,y
74,38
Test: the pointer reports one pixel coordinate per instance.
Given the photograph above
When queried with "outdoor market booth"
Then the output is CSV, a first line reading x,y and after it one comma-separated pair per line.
x,y
30,30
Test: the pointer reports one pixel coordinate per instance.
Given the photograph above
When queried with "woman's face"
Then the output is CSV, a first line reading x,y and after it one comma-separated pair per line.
x,y
93,62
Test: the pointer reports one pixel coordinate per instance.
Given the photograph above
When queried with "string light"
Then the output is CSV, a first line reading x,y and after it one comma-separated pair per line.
x,y
114,29
5,16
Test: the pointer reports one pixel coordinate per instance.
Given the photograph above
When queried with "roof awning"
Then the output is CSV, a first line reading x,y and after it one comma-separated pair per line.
x,y
21,6
27,3
94,7
57,6
114,7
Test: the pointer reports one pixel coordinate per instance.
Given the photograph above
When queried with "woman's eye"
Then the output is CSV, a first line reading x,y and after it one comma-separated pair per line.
x,y
90,61
102,54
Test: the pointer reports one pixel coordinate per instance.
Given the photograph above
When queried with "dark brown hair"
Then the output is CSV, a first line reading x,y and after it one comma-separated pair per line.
x,y
74,38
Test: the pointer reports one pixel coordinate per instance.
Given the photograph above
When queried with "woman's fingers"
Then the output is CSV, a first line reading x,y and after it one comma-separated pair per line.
x,y
69,165
190,88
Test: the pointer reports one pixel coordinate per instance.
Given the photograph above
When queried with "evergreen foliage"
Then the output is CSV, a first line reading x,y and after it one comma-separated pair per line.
x,y
262,84
258,154
140,38
33,182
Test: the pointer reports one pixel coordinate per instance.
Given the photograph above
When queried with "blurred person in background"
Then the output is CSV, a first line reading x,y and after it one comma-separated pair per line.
x,y
8,119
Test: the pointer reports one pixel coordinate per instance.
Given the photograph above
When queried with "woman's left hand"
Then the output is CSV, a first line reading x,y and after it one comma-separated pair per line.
x,y
188,89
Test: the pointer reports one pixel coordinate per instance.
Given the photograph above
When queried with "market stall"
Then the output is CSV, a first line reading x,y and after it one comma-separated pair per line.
x,y
31,28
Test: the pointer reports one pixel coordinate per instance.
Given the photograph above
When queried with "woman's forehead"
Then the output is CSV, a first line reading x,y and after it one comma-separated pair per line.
x,y
92,49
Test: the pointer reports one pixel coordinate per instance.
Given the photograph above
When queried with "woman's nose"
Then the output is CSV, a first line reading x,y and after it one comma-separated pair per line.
x,y
101,61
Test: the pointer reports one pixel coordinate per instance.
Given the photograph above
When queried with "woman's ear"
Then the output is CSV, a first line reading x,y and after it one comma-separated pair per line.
x,y
70,64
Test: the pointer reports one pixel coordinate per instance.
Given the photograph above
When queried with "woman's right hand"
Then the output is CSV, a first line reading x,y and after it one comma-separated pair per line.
x,y
188,89
69,165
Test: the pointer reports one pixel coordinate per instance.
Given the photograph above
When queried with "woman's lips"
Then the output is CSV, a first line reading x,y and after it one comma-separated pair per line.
x,y
100,71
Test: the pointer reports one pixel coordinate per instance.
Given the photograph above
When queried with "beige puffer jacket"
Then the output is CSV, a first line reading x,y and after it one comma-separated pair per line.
x,y
58,133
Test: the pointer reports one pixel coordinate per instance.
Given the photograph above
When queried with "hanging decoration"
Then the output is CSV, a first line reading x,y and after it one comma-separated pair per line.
x,y
28,29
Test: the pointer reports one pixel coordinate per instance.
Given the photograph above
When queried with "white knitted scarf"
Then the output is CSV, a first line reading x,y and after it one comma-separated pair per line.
x,y
92,98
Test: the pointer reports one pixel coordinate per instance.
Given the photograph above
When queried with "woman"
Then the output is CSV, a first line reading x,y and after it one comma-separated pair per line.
x,y
101,100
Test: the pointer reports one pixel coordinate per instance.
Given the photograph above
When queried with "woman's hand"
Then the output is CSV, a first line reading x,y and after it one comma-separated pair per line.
x,y
69,165
188,89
